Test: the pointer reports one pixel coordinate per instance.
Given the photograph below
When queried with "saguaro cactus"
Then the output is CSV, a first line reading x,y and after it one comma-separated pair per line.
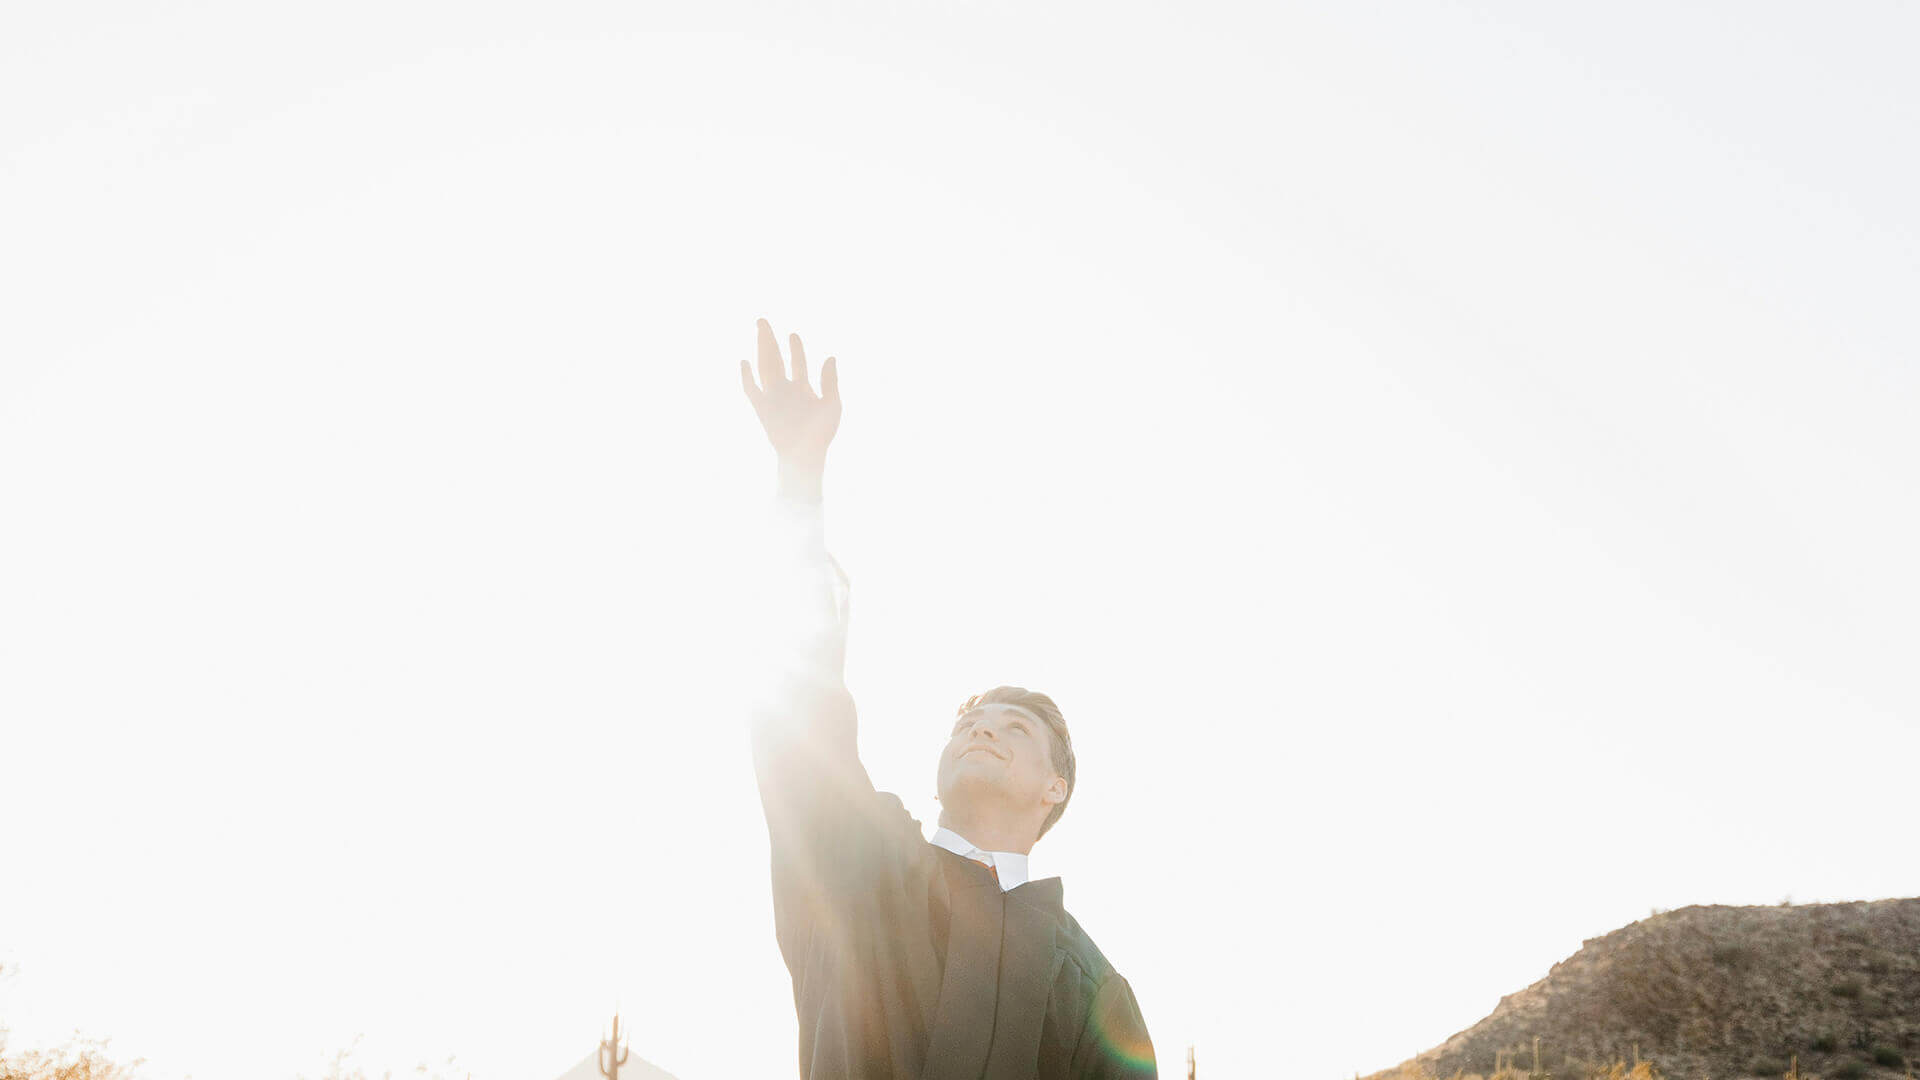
x,y
612,1053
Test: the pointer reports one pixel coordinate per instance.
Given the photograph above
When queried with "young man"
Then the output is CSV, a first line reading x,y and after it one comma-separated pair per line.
x,y
910,958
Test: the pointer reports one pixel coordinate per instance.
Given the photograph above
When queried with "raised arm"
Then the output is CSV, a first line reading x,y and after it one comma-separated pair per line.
x,y
826,831
803,591
826,825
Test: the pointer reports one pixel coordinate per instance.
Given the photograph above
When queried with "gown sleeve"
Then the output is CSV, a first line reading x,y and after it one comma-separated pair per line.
x,y
1114,1044
830,834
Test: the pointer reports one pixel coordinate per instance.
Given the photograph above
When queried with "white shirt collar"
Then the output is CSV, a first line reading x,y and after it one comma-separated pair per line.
x,y
1011,866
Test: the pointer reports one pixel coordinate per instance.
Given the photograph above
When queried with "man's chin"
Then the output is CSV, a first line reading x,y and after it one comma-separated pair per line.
x,y
966,785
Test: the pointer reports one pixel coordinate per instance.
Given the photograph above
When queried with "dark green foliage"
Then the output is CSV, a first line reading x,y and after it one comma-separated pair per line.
x,y
1888,1056
1848,989
1825,1044
1771,1068
1852,1070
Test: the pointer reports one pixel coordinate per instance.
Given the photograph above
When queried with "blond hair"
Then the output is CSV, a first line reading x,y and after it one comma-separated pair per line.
x,y
1059,743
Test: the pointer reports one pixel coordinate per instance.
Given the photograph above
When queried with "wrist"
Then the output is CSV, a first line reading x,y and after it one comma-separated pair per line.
x,y
801,481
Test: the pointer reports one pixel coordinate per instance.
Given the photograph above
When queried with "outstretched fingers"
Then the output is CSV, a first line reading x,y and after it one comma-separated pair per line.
x,y
799,363
772,369
753,392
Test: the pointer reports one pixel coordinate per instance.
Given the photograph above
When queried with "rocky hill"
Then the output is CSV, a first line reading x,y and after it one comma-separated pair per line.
x,y
1718,992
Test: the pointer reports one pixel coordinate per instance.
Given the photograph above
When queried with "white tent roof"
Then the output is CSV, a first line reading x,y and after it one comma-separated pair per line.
x,y
634,1069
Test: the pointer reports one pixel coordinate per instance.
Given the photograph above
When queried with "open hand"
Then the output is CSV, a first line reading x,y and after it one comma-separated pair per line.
x,y
799,423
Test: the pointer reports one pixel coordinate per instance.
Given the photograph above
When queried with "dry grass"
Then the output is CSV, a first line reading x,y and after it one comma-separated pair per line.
x,y
78,1060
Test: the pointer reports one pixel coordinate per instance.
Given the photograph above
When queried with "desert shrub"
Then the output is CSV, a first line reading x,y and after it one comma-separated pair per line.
x,y
1733,956
1620,1070
1848,989
1888,1056
1568,1067
1768,1067
1852,1070
1555,1061
1825,1044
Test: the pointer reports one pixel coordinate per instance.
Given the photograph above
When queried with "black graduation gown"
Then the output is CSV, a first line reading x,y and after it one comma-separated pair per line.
x,y
908,961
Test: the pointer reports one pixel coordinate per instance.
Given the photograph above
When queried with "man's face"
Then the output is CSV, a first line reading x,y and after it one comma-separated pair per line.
x,y
1000,753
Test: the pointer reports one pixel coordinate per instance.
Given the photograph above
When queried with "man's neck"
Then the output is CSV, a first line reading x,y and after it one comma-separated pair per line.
x,y
988,835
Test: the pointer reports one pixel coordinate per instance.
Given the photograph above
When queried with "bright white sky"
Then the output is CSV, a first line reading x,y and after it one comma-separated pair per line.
x,y
1454,466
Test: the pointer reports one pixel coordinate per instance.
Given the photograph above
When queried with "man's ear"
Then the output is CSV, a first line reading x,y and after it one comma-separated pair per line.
x,y
1056,792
